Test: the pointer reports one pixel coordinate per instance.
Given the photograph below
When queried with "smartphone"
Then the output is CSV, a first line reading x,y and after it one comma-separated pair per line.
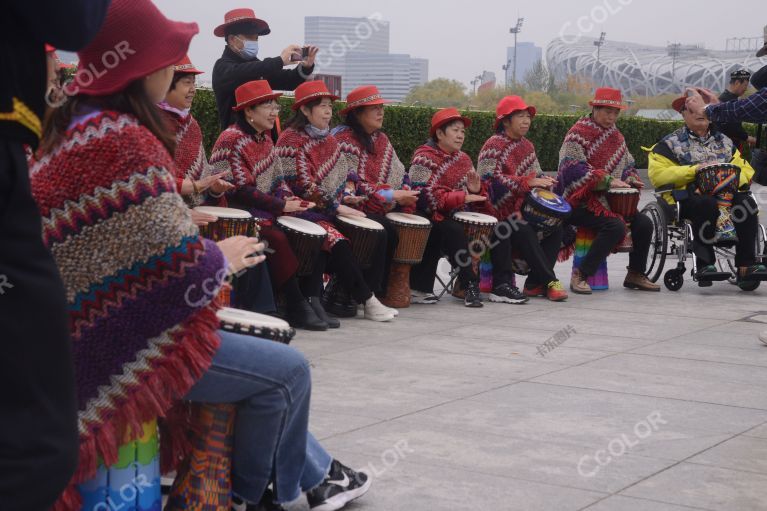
x,y
299,57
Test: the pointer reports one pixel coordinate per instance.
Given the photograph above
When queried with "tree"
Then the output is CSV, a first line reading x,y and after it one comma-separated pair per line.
x,y
439,93
537,77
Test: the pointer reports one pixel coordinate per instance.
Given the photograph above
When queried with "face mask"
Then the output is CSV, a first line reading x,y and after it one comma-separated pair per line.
x,y
249,50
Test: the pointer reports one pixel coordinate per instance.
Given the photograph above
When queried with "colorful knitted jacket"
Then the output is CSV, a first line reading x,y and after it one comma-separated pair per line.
x,y
506,166
191,161
313,169
373,173
441,179
590,157
250,164
134,268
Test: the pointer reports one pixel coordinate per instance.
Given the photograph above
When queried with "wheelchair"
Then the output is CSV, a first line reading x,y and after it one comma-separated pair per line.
x,y
673,237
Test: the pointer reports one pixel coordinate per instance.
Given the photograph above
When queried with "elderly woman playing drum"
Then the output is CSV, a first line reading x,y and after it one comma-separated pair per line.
x,y
313,168
140,281
515,182
454,197
684,161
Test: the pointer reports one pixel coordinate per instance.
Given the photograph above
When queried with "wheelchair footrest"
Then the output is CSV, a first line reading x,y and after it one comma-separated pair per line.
x,y
755,277
714,276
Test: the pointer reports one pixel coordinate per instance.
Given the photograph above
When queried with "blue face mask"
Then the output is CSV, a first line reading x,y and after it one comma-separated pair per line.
x,y
249,50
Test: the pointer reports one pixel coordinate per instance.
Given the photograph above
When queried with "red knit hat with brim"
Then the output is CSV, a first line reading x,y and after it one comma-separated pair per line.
x,y
608,97
679,104
510,105
49,48
309,91
185,66
447,116
246,17
367,95
253,93
135,40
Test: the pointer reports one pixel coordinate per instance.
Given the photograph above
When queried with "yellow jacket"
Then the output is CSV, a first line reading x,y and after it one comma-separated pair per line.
x,y
664,172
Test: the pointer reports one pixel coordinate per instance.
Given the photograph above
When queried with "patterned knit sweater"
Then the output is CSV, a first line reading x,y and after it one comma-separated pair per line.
x,y
250,164
441,179
134,268
506,166
373,172
189,157
313,169
589,155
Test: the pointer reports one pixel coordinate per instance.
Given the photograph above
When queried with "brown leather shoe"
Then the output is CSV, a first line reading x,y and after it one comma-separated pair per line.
x,y
578,284
639,281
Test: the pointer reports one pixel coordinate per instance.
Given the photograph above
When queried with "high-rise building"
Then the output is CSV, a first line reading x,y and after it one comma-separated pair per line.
x,y
357,49
528,54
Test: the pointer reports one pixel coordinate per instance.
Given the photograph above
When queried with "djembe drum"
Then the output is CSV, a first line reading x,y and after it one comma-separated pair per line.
x,y
364,235
306,239
203,482
479,229
413,232
721,180
545,211
625,202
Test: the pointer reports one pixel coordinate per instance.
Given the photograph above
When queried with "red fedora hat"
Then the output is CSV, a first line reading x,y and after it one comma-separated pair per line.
x,y
679,104
309,91
185,66
135,40
446,116
605,96
247,16
508,106
251,93
367,95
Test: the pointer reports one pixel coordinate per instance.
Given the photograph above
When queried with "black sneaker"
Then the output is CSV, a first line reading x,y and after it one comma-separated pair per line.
x,y
472,297
508,294
341,486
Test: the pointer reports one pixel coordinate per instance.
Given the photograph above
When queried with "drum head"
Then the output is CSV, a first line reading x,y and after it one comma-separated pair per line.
x,y
361,222
301,225
723,166
475,218
550,200
224,212
623,191
404,218
251,319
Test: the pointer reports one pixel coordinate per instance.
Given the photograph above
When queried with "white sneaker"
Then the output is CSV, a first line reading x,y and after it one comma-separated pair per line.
x,y
376,311
763,337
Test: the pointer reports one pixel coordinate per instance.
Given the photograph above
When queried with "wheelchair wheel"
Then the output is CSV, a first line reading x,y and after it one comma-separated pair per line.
x,y
674,279
656,258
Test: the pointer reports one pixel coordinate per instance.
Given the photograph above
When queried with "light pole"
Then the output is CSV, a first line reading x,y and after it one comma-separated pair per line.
x,y
599,45
506,72
674,49
516,30
475,81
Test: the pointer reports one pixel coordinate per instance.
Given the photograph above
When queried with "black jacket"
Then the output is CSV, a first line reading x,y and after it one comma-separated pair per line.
x,y
231,71
38,413
734,130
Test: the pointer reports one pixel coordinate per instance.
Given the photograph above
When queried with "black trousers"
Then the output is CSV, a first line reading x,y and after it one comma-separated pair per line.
x,y
609,232
703,212
340,261
541,255
377,276
38,410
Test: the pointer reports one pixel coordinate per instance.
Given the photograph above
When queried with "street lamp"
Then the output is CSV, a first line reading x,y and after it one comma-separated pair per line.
x,y
516,30
674,49
476,81
506,71
599,45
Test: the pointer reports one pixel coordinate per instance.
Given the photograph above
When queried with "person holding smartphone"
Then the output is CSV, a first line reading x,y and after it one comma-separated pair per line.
x,y
240,64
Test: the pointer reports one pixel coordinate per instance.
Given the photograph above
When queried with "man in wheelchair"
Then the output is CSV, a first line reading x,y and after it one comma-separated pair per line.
x,y
678,167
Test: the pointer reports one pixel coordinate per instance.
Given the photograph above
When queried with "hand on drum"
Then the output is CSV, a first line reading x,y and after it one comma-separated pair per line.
x,y
353,200
617,183
298,206
215,183
470,198
542,182
242,252
346,210
406,197
202,219
473,182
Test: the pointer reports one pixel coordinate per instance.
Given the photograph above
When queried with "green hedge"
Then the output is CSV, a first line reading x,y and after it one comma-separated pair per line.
x,y
408,128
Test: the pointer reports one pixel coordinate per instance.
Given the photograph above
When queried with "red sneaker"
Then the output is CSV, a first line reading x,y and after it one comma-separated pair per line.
x,y
556,292
535,291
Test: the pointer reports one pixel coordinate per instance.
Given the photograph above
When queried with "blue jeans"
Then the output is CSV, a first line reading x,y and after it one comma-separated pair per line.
x,y
272,385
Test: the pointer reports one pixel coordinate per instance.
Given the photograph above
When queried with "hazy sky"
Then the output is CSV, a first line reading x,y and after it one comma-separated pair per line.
x,y
463,38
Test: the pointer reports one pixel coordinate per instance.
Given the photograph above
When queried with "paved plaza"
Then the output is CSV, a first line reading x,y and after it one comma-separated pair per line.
x,y
649,402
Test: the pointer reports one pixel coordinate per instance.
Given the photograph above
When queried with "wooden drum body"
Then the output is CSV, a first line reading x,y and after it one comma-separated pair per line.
x,y
364,235
413,232
306,239
625,202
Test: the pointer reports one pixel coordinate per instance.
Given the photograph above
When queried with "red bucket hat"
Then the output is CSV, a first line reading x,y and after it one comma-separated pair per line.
x,y
252,93
508,106
679,104
135,40
367,95
185,66
248,16
446,116
605,96
309,91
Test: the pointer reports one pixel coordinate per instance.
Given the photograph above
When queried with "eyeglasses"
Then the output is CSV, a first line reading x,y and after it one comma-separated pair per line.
x,y
271,106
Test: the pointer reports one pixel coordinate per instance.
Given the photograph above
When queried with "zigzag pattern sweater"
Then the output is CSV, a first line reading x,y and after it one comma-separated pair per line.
x,y
191,161
506,166
590,154
134,269
249,162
